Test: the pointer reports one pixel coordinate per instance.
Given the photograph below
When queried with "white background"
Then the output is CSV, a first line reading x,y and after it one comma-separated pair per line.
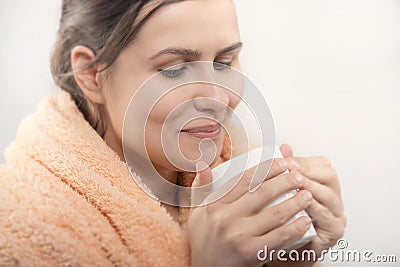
x,y
329,69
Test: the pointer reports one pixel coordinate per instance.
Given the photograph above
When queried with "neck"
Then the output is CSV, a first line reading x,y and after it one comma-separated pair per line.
x,y
168,174
115,143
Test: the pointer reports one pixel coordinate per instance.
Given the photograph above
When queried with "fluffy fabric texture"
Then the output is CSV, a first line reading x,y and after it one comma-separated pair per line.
x,y
66,199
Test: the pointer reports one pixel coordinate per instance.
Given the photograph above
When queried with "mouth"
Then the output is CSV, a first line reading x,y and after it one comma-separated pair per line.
x,y
211,131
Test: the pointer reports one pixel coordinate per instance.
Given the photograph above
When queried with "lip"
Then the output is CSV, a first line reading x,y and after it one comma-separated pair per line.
x,y
211,131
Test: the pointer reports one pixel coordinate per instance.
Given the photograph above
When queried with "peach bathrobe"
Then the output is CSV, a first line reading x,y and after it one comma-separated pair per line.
x,y
66,199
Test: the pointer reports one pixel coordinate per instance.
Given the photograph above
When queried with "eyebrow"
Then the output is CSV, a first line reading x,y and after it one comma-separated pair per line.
x,y
230,48
194,53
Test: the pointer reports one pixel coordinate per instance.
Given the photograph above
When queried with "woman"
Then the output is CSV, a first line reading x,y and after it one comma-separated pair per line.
x,y
67,198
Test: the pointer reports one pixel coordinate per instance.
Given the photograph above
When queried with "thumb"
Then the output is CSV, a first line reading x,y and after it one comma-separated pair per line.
x,y
201,186
203,176
286,151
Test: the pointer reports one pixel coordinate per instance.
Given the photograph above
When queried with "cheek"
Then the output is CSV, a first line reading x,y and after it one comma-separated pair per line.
x,y
118,92
115,108
128,80
154,128
236,98
154,145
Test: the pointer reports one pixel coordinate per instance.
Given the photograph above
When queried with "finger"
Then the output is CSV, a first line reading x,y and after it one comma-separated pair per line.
x,y
325,195
278,166
283,236
329,227
204,175
324,218
278,215
316,168
286,151
253,202
201,186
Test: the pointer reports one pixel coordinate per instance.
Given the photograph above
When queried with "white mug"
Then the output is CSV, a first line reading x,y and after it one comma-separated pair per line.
x,y
233,169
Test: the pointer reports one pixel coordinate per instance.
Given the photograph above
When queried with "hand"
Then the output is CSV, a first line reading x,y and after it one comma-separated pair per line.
x,y
327,206
230,231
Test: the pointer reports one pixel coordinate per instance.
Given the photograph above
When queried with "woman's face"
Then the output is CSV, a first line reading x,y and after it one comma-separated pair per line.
x,y
201,30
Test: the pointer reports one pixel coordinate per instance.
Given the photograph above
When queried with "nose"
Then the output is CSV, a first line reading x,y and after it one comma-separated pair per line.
x,y
213,99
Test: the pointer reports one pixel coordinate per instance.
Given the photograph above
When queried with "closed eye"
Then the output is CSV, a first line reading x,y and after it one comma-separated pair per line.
x,y
222,65
173,73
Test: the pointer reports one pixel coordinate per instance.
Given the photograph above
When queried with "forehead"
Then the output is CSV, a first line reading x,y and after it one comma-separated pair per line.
x,y
201,24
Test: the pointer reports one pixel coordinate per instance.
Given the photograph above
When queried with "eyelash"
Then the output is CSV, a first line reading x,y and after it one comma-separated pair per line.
x,y
175,73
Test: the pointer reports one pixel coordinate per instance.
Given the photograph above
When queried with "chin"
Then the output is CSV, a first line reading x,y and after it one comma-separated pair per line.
x,y
193,149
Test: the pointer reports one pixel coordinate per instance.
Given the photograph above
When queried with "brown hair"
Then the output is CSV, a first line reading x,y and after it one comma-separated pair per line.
x,y
104,26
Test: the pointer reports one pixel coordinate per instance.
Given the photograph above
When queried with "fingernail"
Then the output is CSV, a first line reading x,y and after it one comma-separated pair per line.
x,y
307,196
298,177
282,163
201,166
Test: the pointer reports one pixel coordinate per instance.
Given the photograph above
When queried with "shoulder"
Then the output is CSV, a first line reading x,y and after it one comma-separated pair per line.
x,y
45,222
